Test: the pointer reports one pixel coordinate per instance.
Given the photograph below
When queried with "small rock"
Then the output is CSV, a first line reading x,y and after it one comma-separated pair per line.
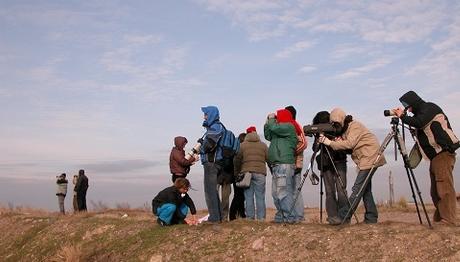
x,y
258,244
124,216
156,258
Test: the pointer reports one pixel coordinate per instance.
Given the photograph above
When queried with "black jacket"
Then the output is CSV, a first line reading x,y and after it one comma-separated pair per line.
x,y
173,196
82,184
434,132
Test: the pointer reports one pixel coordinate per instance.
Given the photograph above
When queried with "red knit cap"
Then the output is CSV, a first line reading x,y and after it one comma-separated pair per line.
x,y
251,129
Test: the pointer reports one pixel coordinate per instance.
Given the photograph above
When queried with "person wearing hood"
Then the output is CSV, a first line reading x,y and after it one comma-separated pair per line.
x,y
211,154
178,164
333,167
364,147
280,130
439,143
252,157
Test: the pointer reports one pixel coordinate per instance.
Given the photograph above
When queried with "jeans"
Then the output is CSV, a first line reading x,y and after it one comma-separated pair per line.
x,y
167,211
282,185
61,203
257,189
371,214
299,209
211,195
336,197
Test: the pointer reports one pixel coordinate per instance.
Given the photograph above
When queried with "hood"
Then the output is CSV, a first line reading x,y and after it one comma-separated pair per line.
x,y
321,117
179,142
252,137
285,116
213,115
338,115
411,99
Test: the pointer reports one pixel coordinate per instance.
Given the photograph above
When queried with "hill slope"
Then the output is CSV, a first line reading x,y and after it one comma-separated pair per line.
x,y
113,236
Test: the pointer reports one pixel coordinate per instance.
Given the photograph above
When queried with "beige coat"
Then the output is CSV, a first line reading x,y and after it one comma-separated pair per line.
x,y
252,156
363,143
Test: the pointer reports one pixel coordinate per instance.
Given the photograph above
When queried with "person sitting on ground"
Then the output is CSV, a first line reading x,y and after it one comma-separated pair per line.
x,y
178,164
172,203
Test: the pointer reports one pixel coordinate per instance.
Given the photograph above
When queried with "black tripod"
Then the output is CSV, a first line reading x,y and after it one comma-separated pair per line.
x,y
393,134
314,178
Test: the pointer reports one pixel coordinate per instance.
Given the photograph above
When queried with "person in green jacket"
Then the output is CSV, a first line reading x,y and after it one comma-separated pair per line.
x,y
281,132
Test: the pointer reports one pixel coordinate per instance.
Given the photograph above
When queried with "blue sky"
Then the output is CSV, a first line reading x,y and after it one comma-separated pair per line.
x,y
107,85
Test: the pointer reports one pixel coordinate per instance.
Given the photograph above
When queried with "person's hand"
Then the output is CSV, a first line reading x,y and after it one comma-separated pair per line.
x,y
271,115
399,111
324,140
200,140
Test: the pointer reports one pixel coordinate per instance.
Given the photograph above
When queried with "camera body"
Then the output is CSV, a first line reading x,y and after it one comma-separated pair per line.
x,y
327,128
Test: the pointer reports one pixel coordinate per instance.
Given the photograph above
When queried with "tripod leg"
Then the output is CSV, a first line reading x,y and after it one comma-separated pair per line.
x,y
357,197
321,198
342,185
420,197
413,195
411,177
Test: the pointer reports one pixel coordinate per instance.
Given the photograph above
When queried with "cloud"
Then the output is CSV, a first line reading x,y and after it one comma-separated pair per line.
x,y
358,71
307,69
295,48
120,166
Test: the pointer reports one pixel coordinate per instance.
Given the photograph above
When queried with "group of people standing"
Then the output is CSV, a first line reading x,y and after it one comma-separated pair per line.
x,y
284,159
80,182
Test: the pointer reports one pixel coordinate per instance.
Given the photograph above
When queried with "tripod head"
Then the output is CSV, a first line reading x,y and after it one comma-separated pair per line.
x,y
394,121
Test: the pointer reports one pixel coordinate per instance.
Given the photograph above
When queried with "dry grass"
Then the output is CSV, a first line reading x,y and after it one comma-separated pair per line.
x,y
69,254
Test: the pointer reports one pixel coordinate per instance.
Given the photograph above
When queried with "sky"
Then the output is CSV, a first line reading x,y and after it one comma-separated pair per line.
x,y
105,86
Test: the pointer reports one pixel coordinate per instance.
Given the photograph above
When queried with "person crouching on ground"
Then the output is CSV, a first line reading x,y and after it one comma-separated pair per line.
x,y
178,164
61,191
172,203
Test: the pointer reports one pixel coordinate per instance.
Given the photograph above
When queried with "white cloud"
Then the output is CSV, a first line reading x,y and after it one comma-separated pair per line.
x,y
358,71
295,48
307,69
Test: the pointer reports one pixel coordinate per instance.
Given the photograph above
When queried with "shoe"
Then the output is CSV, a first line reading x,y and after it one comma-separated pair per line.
x,y
334,221
161,222
370,222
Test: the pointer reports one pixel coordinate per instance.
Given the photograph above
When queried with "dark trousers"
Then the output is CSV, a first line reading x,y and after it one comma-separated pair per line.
x,y
237,206
81,201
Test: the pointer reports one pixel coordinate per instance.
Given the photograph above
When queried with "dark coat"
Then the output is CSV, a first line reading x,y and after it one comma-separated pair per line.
x,y
173,196
434,132
177,161
82,184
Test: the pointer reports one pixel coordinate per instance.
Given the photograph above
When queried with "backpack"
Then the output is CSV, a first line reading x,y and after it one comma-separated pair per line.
x,y
230,146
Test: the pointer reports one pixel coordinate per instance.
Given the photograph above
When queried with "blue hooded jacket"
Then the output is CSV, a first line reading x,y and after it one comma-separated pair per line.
x,y
214,131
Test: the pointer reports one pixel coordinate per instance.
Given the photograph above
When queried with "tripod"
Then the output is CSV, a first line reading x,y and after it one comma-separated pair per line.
x,y
393,134
314,178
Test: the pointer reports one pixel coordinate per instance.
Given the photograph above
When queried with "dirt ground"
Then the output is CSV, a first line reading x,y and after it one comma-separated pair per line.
x,y
133,235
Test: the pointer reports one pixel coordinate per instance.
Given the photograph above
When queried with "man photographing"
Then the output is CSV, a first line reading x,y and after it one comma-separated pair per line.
x,y
439,143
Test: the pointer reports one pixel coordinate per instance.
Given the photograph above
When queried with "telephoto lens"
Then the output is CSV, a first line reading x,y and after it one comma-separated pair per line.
x,y
389,113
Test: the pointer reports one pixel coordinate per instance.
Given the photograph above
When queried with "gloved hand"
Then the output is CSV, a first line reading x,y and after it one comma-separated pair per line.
x,y
200,140
324,140
297,170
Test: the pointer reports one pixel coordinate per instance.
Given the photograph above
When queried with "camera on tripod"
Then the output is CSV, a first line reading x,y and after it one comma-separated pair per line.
x,y
310,130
